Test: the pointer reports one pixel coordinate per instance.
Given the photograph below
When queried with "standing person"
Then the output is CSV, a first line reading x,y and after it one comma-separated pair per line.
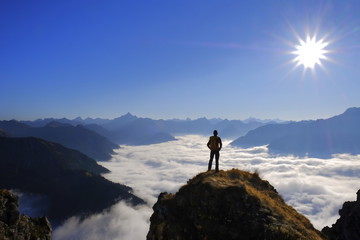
x,y
215,145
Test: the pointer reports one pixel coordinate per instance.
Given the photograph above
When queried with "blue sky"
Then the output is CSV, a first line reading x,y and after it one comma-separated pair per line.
x,y
176,59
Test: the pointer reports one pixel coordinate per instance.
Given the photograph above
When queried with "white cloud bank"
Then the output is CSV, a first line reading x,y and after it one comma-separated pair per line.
x,y
315,187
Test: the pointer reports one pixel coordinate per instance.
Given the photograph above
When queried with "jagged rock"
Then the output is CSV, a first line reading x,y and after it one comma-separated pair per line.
x,y
347,227
227,205
14,226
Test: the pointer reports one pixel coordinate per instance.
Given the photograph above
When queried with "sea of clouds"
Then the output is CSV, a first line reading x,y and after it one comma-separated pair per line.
x,y
315,187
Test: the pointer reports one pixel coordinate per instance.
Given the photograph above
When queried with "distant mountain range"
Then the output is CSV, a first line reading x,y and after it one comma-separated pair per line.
x,y
131,130
96,137
67,181
163,129
76,137
318,138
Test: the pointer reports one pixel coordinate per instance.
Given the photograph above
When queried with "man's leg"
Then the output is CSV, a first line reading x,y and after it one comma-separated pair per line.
x,y
211,159
217,156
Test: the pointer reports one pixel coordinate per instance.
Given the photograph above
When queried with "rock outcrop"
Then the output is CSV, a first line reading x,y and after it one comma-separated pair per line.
x,y
14,226
227,205
347,227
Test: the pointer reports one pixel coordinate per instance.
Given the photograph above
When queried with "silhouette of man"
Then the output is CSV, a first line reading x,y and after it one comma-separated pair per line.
x,y
215,145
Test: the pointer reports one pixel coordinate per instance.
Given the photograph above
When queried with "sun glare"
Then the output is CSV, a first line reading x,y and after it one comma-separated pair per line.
x,y
310,52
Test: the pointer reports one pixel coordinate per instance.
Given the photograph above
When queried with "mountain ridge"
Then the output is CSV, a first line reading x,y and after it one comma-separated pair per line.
x,y
314,138
68,182
231,204
75,137
117,126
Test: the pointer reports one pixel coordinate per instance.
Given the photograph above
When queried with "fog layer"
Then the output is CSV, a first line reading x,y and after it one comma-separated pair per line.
x,y
315,187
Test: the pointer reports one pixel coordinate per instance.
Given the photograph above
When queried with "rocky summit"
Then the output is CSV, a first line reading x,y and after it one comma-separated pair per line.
x,y
14,226
347,227
229,204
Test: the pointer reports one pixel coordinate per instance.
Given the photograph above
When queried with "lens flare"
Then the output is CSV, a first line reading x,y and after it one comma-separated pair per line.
x,y
310,52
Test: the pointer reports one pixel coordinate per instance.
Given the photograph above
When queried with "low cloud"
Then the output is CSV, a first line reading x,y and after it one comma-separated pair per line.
x,y
120,222
315,187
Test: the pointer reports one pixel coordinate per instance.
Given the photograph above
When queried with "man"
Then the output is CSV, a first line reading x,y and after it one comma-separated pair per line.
x,y
215,146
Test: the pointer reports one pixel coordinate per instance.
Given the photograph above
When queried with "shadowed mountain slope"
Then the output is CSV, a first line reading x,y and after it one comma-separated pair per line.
x,y
68,181
320,138
79,137
204,126
142,131
227,205
43,157
131,130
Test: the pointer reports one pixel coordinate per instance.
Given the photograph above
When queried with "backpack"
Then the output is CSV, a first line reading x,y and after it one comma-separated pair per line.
x,y
214,143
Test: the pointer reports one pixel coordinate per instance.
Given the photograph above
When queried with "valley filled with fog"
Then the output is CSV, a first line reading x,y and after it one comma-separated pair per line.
x,y
315,187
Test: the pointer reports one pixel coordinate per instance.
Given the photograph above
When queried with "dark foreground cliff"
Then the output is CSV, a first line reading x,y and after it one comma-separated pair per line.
x,y
14,226
227,205
347,227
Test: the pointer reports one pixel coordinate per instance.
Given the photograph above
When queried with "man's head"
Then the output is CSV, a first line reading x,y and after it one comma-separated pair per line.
x,y
215,133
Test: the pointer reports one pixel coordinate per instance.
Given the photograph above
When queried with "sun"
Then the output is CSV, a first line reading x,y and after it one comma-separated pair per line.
x,y
310,52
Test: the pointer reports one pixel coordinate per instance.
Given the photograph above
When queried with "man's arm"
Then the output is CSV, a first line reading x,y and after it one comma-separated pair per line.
x,y
208,144
220,143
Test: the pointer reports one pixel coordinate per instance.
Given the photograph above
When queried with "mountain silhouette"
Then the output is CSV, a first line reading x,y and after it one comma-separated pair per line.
x,y
229,205
120,122
318,138
142,131
347,227
75,137
235,128
73,122
127,129
68,180
45,121
131,130
204,126
197,126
